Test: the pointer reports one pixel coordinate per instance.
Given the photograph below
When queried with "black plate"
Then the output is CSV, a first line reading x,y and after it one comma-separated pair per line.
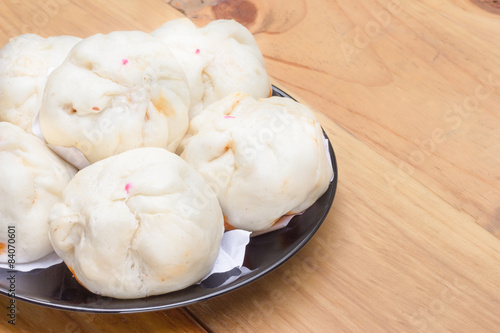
x,y
56,287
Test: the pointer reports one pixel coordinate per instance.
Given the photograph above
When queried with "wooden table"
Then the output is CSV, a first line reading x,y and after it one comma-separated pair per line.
x,y
409,94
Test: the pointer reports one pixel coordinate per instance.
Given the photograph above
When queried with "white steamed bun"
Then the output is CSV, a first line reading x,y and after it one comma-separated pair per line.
x,y
113,93
219,58
32,179
137,224
25,63
263,158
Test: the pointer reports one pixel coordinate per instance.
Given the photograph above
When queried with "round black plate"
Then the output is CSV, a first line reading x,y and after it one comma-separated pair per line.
x,y
56,287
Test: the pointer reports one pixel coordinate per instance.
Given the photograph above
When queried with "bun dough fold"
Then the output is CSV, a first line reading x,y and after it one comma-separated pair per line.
x,y
113,93
264,158
137,224
32,179
219,59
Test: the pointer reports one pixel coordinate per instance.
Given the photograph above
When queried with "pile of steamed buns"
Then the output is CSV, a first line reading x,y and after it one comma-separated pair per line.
x,y
182,139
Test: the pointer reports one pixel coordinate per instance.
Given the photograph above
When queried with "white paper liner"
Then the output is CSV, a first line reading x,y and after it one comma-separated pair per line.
x,y
229,264
50,259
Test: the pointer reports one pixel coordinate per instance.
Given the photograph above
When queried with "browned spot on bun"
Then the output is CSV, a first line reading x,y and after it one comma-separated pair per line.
x,y
74,275
162,105
227,225
3,248
276,221
242,11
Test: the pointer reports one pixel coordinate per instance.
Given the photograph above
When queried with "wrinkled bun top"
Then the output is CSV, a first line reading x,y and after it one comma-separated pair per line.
x,y
116,92
137,224
263,158
25,63
32,179
219,58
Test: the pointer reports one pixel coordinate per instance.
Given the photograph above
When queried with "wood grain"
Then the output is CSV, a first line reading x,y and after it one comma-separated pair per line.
x,y
258,16
409,93
490,5
80,18
34,318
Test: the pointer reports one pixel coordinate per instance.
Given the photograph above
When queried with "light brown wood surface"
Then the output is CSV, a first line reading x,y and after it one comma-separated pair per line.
x,y
409,94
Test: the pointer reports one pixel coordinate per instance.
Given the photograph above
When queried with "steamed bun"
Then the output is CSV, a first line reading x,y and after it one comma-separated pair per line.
x,y
137,224
25,63
263,158
113,93
219,58
32,179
